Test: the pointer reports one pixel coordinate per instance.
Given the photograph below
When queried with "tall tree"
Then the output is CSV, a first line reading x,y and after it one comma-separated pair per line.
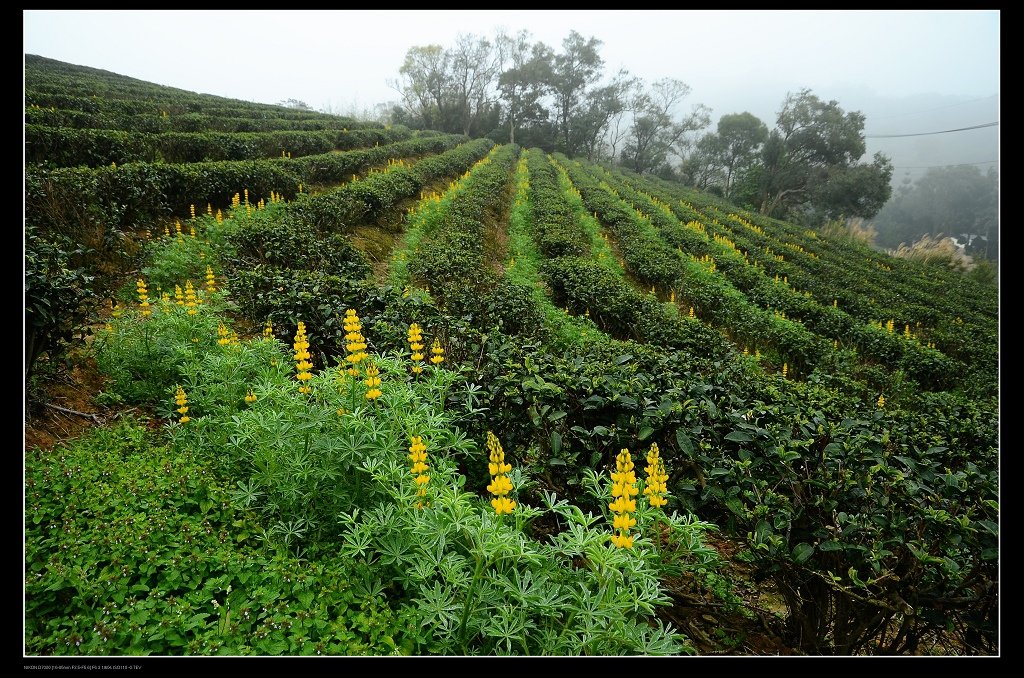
x,y
450,89
522,83
816,143
740,136
424,85
703,168
602,105
475,66
654,134
619,125
576,68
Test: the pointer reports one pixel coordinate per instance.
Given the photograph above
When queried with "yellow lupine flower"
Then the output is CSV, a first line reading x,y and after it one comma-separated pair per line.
x,y
211,280
372,381
355,343
438,352
140,288
250,397
418,457
623,488
182,405
656,486
500,484
190,298
302,364
881,401
415,338
222,335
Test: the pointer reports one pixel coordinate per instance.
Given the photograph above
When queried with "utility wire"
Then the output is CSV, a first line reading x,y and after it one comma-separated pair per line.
x,y
961,164
929,110
923,134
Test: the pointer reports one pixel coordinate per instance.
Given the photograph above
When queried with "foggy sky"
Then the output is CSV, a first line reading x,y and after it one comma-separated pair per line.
x,y
879,62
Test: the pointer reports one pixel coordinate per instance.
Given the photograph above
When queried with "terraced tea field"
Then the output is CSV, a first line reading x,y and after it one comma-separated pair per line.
x,y
827,411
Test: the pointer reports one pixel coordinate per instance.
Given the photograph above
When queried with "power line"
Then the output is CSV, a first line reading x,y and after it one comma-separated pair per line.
x,y
962,164
929,110
923,134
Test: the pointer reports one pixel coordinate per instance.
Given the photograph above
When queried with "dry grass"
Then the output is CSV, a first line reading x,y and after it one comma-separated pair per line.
x,y
851,229
935,250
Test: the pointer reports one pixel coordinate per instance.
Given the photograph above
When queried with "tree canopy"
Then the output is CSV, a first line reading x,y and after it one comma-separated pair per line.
x,y
808,167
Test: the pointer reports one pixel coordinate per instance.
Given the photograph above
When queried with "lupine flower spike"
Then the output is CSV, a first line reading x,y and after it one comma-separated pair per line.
x,y
500,484
438,352
223,339
182,402
268,330
656,486
372,381
418,457
355,344
302,364
190,298
416,346
211,280
140,287
623,504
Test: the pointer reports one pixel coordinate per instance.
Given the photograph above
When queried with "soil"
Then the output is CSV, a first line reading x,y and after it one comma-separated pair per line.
x,y
753,628
72,388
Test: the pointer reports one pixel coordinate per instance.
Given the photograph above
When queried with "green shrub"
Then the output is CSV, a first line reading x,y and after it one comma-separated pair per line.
x,y
134,548
56,296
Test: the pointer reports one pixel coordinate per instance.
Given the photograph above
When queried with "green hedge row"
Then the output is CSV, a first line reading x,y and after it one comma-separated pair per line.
x,y
127,102
72,147
928,366
134,194
921,292
186,122
586,287
355,203
653,262
451,259
647,256
555,226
